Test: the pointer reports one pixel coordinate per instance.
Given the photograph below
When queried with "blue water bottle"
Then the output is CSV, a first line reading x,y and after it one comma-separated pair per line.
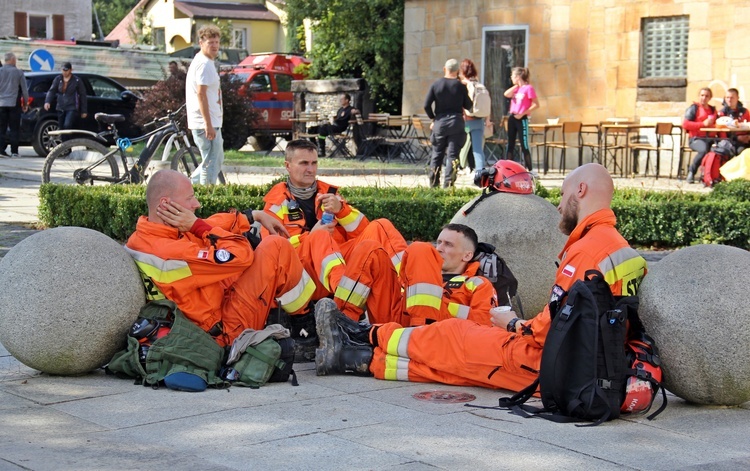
x,y
327,217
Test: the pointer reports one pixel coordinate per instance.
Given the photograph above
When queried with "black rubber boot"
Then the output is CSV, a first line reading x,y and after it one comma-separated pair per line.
x,y
344,347
305,337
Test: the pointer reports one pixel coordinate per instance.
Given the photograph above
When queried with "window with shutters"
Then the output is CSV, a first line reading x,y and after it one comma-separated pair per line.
x,y
40,26
663,60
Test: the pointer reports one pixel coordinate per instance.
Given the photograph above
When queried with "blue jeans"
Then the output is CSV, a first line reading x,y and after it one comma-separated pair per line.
x,y
66,120
476,131
212,157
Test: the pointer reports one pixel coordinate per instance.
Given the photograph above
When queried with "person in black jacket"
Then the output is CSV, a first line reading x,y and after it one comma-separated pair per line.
x,y
450,97
70,93
339,125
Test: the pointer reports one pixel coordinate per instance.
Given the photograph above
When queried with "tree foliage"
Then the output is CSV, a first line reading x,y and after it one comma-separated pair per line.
x,y
357,39
110,13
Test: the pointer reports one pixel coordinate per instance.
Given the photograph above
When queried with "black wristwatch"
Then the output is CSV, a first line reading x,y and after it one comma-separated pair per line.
x,y
512,324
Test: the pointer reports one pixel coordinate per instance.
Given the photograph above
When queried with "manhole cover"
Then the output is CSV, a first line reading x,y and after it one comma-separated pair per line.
x,y
447,397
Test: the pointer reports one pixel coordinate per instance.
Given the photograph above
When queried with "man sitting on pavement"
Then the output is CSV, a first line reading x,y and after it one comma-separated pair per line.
x,y
351,258
508,354
442,283
208,266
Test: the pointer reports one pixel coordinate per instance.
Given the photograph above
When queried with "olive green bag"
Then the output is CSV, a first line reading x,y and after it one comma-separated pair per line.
x,y
186,348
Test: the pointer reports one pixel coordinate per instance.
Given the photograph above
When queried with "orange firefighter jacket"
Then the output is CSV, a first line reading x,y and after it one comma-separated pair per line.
x,y
465,353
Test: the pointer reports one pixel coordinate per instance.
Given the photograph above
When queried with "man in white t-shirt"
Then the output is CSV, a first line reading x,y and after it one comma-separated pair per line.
x,y
204,107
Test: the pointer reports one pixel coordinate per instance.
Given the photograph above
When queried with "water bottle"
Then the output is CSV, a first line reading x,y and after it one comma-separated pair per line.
x,y
327,217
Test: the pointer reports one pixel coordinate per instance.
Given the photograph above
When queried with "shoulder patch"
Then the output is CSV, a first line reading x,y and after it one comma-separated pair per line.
x,y
569,270
223,256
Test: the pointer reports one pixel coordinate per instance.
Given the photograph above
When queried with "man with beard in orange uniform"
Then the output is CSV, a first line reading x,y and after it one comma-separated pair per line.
x,y
208,267
508,354
351,258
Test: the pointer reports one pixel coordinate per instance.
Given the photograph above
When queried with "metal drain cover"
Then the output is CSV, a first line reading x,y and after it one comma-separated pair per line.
x,y
444,397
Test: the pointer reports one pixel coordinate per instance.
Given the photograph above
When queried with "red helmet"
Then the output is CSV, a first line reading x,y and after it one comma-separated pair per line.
x,y
645,375
506,176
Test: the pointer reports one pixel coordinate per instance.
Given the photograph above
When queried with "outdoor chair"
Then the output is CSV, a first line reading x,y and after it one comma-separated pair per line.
x,y
570,139
663,133
368,139
494,147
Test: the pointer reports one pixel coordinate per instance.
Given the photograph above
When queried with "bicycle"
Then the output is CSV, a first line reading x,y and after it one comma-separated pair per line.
x,y
88,159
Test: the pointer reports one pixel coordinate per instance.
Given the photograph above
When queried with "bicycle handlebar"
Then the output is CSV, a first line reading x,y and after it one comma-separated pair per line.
x,y
171,115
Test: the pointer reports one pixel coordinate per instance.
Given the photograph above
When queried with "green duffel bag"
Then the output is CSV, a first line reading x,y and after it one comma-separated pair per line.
x,y
181,347
269,361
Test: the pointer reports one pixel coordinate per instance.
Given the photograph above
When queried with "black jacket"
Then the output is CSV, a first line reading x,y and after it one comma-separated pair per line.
x,y
74,97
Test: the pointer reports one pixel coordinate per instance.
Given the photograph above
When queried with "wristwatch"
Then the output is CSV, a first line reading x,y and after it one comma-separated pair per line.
x,y
512,324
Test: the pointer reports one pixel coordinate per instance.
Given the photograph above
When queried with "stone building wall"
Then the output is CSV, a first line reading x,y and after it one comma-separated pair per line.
x,y
583,54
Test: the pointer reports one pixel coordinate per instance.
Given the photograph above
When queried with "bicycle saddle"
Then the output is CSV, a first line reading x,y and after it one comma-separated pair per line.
x,y
109,118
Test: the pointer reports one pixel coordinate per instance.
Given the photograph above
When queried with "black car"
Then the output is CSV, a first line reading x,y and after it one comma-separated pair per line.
x,y
104,96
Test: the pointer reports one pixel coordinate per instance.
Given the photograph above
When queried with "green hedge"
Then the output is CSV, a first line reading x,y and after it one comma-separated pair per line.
x,y
646,218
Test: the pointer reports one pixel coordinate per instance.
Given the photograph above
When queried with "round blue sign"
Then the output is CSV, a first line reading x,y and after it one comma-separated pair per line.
x,y
41,60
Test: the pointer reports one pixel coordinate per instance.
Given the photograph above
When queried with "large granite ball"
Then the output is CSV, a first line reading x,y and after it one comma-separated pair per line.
x,y
69,296
693,304
523,229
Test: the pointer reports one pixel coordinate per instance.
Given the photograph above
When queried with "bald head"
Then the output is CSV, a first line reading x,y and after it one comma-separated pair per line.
x,y
586,190
164,184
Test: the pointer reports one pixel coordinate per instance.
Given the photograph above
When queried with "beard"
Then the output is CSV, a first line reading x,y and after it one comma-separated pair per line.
x,y
569,219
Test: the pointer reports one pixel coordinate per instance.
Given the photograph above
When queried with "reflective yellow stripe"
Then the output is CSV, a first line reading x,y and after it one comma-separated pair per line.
x,y
351,221
159,269
328,264
473,283
399,342
352,292
299,296
459,279
295,240
396,369
624,264
396,260
280,211
424,294
460,311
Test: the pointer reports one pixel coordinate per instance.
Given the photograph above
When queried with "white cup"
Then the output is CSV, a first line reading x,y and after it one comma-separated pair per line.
x,y
499,309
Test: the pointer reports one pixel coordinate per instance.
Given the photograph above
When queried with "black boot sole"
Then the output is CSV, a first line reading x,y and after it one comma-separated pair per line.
x,y
329,334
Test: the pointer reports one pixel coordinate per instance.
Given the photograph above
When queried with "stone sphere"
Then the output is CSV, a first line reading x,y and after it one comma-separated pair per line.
x,y
523,229
69,296
693,304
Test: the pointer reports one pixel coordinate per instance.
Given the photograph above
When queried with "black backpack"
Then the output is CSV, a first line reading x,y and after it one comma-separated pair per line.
x,y
584,369
494,268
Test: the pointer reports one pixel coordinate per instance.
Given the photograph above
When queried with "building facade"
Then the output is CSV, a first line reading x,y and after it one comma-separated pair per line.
x,y
590,60
43,19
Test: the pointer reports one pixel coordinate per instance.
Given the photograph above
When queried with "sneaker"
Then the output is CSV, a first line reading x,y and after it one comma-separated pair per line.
x,y
14,156
690,177
343,347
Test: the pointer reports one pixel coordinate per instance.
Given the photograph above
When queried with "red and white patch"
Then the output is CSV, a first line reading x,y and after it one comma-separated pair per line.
x,y
569,271
203,254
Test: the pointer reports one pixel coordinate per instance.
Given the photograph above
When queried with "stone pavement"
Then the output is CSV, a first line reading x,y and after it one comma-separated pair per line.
x,y
98,422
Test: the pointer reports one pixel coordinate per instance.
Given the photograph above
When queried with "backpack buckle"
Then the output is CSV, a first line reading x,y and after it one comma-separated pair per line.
x,y
566,311
615,315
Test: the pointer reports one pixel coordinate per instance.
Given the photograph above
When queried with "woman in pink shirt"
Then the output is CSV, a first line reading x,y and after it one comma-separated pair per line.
x,y
523,101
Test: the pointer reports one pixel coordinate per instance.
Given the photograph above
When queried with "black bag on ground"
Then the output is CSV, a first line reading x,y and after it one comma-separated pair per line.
x,y
583,369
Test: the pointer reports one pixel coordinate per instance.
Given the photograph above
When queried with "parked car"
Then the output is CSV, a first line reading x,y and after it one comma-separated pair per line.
x,y
272,98
104,96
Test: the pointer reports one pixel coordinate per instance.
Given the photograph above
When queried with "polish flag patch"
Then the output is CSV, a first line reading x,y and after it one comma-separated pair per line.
x,y
203,254
569,271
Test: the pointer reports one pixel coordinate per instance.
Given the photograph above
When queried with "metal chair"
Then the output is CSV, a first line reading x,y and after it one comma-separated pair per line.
x,y
662,132
307,119
340,141
569,129
368,141
422,134
398,139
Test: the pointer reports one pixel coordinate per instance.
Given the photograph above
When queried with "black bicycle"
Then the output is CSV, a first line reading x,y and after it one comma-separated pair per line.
x,y
89,159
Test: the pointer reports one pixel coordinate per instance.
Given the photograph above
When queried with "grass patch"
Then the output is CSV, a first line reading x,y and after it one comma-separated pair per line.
x,y
259,159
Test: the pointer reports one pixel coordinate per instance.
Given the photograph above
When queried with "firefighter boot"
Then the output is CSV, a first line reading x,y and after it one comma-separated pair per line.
x,y
344,345
305,337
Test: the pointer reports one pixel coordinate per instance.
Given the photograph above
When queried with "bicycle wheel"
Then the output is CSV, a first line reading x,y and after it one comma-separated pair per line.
x,y
80,161
185,161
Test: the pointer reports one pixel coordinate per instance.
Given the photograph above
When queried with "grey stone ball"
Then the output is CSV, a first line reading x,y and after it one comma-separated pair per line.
x,y
524,231
69,296
693,304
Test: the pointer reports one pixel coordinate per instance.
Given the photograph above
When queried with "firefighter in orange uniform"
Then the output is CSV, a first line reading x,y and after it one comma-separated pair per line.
x,y
352,258
508,354
442,283
208,267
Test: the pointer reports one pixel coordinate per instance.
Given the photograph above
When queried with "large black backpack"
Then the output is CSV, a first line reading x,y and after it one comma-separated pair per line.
x,y
584,368
493,267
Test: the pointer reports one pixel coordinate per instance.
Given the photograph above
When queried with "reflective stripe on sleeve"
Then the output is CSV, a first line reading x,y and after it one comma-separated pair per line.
x,y
473,283
351,221
159,269
460,311
295,240
396,369
299,296
328,264
280,210
396,260
352,292
424,294
624,264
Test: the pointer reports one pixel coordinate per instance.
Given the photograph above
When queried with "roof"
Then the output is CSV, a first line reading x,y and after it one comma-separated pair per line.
x,y
232,11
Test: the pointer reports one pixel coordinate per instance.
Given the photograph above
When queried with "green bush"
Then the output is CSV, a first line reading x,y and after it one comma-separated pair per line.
x,y
736,190
660,219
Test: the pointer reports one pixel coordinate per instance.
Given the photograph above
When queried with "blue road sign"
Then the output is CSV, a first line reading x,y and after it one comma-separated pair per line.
x,y
41,60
